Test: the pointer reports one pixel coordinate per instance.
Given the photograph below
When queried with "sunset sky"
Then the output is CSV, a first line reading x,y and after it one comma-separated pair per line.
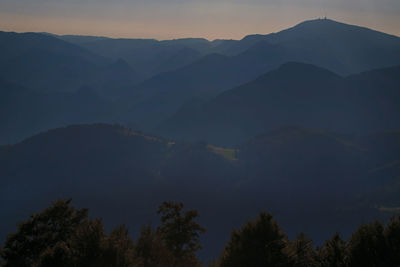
x,y
167,19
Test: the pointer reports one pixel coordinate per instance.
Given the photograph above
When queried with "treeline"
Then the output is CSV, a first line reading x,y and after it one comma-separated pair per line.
x,y
263,243
64,236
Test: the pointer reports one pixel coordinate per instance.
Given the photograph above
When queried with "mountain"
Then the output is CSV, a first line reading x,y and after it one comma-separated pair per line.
x,y
24,112
313,180
79,39
47,64
339,47
294,94
46,82
157,98
124,173
161,96
182,71
111,80
148,56
342,174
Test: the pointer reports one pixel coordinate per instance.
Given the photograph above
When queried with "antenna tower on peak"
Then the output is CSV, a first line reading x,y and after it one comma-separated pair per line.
x,y
323,10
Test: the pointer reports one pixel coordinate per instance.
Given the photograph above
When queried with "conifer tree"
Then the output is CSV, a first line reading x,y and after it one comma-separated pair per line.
x,y
367,246
300,252
333,253
392,236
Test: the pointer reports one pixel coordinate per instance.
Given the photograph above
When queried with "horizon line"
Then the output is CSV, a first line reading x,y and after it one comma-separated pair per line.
x,y
183,38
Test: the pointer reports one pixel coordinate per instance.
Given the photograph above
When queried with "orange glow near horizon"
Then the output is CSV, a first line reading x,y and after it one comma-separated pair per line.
x,y
223,22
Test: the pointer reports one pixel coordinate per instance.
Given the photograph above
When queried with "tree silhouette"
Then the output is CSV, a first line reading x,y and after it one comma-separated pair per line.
x,y
151,249
49,229
257,243
367,246
179,230
392,236
63,236
300,252
333,253
119,248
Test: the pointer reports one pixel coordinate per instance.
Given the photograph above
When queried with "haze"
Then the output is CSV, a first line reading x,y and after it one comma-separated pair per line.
x,y
167,19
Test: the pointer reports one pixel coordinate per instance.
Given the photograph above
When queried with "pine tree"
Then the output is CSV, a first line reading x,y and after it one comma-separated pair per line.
x,y
300,252
392,236
367,246
333,253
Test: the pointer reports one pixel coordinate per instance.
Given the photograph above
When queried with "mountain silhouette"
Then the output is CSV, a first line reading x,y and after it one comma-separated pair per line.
x,y
294,94
148,56
24,112
303,123
194,70
47,64
340,47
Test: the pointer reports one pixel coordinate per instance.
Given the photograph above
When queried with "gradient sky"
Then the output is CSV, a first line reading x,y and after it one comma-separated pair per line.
x,y
167,19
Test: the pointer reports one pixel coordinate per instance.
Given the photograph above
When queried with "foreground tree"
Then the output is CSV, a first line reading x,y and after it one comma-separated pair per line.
x,y
258,243
180,231
50,229
300,252
392,236
333,253
367,246
64,237
151,249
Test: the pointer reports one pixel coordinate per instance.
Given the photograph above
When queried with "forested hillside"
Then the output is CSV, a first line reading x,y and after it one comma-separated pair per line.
x,y
337,181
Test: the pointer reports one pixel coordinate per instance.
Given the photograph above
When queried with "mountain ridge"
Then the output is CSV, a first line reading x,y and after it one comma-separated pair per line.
x,y
296,93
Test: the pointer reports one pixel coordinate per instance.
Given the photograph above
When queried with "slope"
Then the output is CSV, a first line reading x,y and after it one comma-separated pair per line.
x,y
24,112
294,94
45,63
340,47
309,178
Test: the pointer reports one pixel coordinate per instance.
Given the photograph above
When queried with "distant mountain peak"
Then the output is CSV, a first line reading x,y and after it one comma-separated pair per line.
x,y
321,21
325,24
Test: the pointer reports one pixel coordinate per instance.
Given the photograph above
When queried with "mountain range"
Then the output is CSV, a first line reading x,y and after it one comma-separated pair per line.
x,y
341,48
48,64
303,123
145,81
294,94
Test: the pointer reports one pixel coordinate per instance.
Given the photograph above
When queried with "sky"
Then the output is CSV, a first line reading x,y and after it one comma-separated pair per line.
x,y
169,19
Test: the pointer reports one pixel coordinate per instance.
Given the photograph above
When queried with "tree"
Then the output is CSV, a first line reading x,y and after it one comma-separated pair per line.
x,y
300,252
258,243
333,253
392,236
174,242
151,249
367,246
51,228
179,230
63,236
119,249
83,248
